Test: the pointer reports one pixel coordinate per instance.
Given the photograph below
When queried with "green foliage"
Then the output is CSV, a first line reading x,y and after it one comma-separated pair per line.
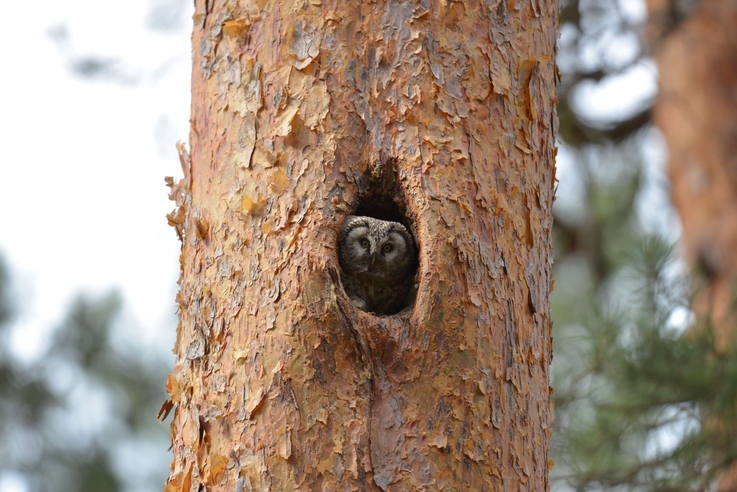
x,y
644,401
82,417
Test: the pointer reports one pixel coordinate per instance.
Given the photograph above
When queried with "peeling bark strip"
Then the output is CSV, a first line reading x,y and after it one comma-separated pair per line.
x,y
440,113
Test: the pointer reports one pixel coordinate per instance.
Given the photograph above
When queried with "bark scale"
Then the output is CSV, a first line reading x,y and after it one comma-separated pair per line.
x,y
302,113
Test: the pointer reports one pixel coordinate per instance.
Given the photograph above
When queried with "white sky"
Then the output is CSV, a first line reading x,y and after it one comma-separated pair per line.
x,y
82,194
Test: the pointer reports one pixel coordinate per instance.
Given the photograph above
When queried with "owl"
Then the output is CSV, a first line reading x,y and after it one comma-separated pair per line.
x,y
377,258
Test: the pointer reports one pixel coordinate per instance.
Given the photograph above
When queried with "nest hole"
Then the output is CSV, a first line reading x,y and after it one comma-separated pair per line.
x,y
366,289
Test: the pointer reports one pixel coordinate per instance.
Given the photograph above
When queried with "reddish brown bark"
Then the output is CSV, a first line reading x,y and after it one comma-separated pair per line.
x,y
697,113
302,112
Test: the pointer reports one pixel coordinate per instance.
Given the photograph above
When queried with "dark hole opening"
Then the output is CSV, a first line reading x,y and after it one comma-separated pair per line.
x,y
384,209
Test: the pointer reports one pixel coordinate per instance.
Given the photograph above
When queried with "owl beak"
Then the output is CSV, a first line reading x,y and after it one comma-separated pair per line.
x,y
373,258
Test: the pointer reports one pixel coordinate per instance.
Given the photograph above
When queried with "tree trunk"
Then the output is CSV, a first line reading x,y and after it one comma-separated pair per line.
x,y
439,115
697,114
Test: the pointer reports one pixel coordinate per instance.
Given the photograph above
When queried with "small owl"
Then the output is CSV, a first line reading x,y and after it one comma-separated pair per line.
x,y
378,262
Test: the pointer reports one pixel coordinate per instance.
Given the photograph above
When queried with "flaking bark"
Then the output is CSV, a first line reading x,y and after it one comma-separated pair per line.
x,y
302,113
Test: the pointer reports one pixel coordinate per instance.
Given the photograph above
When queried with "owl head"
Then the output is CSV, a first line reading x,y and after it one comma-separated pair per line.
x,y
375,247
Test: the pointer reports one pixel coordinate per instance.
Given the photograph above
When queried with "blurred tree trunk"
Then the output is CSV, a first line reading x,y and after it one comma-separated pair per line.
x,y
697,113
303,112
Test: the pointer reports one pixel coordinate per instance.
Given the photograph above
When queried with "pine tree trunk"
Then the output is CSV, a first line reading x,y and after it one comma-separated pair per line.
x,y
438,114
697,114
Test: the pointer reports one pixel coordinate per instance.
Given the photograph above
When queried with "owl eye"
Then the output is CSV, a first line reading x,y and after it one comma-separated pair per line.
x,y
365,243
387,248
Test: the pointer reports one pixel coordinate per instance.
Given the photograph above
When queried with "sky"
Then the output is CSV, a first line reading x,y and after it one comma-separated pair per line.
x,y
83,201
82,190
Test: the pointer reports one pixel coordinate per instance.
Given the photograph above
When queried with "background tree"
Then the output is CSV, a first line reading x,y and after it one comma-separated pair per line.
x,y
696,111
642,403
438,115
72,417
